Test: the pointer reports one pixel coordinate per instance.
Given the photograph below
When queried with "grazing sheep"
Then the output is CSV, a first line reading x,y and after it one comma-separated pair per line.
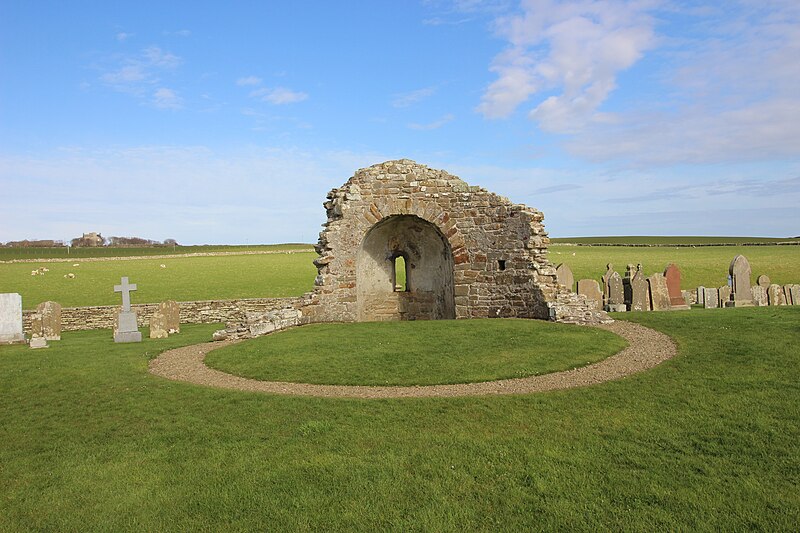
x,y
34,272
76,264
70,275
163,266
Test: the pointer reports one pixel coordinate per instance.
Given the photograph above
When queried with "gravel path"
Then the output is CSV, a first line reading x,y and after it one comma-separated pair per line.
x,y
647,348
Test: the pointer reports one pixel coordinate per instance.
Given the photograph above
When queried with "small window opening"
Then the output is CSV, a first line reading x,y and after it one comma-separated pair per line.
x,y
400,274
502,264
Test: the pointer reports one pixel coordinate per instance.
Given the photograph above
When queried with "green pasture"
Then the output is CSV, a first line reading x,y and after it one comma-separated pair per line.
x,y
182,279
707,265
276,275
708,441
416,353
7,254
644,240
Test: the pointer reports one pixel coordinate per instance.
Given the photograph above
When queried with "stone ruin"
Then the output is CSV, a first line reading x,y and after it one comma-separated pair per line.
x,y
407,242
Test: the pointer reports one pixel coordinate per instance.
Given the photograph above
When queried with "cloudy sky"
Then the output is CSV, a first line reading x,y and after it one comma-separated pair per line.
x,y
228,122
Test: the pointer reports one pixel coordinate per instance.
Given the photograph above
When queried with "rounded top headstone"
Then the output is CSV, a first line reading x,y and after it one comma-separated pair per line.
x,y
763,281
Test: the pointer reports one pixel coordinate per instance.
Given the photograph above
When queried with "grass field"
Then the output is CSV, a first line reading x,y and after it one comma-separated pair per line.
x,y
709,441
273,275
645,240
707,266
416,353
183,279
7,254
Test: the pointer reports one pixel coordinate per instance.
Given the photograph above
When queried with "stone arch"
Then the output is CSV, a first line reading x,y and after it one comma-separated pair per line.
x,y
428,255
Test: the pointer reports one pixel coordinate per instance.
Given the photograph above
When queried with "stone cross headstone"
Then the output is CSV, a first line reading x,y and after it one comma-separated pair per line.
x,y
724,295
701,291
659,295
591,290
11,319
711,298
775,295
616,293
763,281
51,320
127,329
158,326
672,275
172,311
759,295
739,272
564,276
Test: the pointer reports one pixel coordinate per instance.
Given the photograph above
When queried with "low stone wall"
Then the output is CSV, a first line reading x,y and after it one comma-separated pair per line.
x,y
200,312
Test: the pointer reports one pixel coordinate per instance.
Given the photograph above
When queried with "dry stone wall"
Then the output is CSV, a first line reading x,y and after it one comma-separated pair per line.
x,y
231,312
469,253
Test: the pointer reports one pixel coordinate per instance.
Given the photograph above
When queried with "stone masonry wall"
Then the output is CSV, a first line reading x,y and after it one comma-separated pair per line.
x,y
230,312
499,249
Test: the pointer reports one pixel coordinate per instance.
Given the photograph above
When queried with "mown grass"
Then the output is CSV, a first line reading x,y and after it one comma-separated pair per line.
x,y
707,266
709,441
416,353
634,240
7,254
182,279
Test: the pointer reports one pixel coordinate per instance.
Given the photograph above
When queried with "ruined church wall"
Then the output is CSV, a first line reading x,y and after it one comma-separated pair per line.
x,y
499,248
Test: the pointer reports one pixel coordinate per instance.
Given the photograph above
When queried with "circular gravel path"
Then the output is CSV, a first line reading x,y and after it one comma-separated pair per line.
x,y
647,348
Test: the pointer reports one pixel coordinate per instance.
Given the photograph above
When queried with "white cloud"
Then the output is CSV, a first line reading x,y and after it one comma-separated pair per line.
x,y
137,74
412,97
248,80
433,125
731,95
123,36
167,99
157,57
575,48
279,95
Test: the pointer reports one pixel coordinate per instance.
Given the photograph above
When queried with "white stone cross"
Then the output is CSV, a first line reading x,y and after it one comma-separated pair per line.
x,y
125,289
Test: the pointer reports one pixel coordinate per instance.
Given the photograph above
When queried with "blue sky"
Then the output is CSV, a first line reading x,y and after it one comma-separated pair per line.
x,y
228,122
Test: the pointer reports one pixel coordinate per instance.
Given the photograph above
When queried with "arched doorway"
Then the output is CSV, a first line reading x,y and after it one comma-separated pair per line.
x,y
424,290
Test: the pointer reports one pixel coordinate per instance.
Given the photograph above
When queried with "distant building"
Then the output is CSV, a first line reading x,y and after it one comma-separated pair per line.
x,y
91,239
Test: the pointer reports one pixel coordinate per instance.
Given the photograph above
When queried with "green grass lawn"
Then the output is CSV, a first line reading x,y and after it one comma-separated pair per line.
x,y
416,353
709,441
707,266
62,252
183,279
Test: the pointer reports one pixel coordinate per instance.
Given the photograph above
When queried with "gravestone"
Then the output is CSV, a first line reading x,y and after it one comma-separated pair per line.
x,y
688,297
787,293
724,295
763,281
775,295
11,319
739,272
37,341
51,320
672,276
606,276
640,294
701,292
659,295
627,290
565,277
711,298
158,326
759,295
616,293
591,290
795,290
127,330
172,313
